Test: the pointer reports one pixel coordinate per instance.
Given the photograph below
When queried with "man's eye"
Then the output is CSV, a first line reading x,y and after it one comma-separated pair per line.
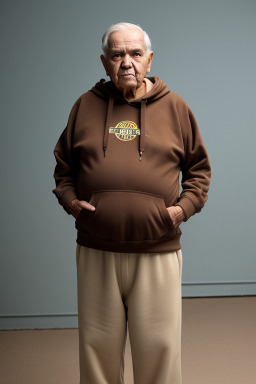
x,y
137,54
116,56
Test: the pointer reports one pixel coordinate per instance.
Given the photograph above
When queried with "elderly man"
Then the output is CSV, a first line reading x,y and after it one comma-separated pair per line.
x,y
118,165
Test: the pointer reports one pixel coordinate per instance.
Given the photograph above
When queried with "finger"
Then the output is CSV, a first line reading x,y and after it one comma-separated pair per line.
x,y
86,205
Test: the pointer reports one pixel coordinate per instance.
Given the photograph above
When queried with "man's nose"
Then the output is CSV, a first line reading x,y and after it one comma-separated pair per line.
x,y
126,62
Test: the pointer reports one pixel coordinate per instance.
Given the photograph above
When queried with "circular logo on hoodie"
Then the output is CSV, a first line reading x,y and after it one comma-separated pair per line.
x,y
125,130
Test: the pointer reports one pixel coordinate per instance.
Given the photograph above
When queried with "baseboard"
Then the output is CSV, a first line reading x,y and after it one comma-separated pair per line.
x,y
218,288
38,321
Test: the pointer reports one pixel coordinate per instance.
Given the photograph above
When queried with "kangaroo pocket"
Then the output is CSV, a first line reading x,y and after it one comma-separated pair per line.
x,y
126,216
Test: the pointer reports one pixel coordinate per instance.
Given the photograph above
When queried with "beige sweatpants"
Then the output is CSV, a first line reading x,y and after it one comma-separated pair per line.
x,y
141,289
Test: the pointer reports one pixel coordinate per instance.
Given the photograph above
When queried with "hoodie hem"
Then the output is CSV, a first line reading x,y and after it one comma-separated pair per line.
x,y
164,244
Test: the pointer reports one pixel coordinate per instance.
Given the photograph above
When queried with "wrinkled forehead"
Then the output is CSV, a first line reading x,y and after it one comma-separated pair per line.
x,y
127,37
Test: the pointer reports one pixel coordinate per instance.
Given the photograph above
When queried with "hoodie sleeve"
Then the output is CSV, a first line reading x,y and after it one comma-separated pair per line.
x,y
66,170
196,169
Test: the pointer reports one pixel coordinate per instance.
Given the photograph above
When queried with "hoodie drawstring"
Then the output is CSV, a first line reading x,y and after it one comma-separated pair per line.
x,y
142,127
106,130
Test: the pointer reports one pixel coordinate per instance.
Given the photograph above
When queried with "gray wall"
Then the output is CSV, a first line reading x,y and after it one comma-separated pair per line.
x,y
204,51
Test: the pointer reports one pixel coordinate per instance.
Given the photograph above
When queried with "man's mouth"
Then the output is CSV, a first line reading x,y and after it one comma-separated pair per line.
x,y
126,75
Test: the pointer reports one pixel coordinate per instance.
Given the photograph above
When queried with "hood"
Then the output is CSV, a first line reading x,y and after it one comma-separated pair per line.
x,y
106,90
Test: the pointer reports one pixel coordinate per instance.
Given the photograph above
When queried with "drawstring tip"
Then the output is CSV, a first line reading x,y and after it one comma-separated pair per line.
x,y
104,150
140,155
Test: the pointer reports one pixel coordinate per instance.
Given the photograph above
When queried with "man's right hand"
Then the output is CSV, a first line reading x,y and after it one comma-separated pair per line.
x,y
76,206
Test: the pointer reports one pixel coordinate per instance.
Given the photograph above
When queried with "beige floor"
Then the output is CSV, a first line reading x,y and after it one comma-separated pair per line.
x,y
218,347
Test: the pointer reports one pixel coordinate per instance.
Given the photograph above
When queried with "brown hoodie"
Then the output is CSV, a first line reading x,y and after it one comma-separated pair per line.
x,y
125,158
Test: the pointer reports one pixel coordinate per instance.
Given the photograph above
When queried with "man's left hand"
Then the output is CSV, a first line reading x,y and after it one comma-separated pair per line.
x,y
177,215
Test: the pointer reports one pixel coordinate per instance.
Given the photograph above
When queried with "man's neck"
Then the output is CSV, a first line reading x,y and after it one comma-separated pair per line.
x,y
145,87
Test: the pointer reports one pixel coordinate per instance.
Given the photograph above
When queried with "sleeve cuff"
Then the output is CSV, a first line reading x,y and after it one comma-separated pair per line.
x,y
66,199
187,206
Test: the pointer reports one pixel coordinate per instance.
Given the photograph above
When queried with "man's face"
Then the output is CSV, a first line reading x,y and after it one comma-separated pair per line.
x,y
127,60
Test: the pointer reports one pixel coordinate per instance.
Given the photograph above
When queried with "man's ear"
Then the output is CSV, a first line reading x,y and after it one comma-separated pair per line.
x,y
104,62
150,58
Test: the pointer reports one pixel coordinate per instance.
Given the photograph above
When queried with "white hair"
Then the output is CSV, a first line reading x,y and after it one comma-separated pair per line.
x,y
121,27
